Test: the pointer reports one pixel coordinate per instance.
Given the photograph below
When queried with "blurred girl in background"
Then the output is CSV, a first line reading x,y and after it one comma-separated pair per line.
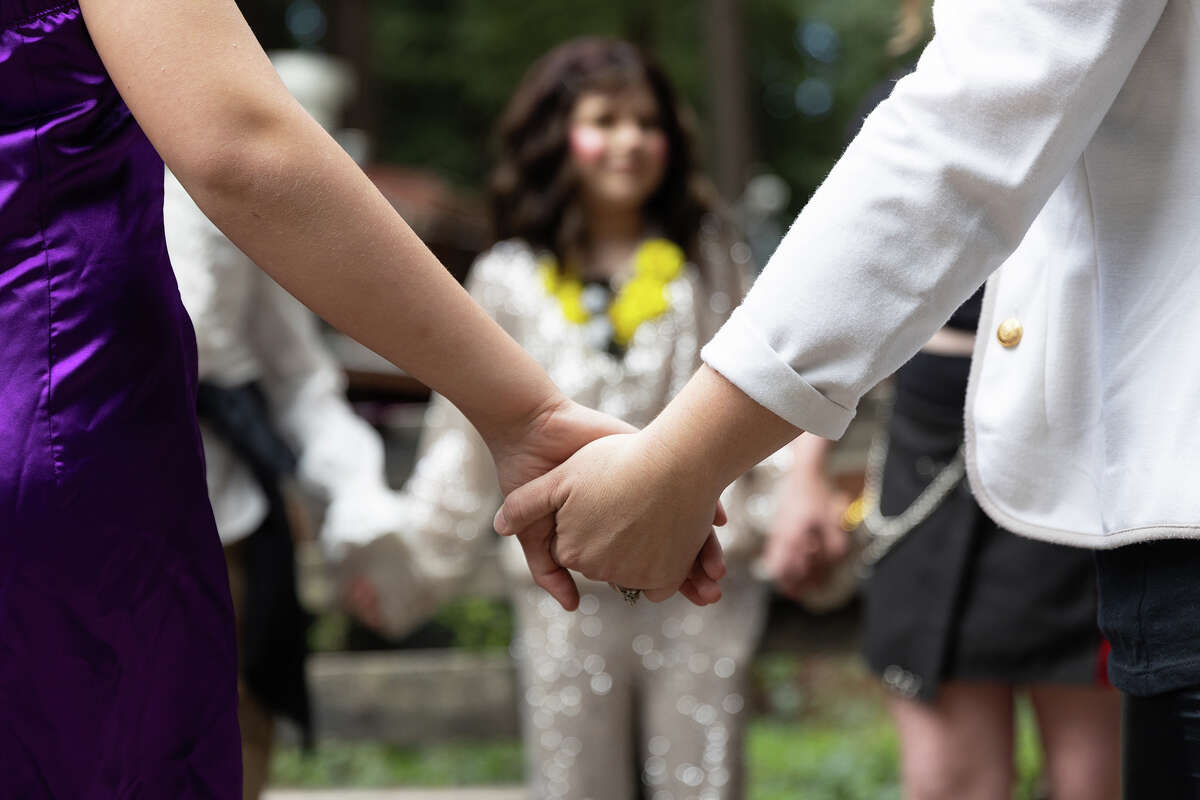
x,y
611,269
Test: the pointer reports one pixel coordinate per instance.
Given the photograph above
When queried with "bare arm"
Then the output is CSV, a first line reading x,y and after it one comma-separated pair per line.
x,y
714,432
806,536
277,185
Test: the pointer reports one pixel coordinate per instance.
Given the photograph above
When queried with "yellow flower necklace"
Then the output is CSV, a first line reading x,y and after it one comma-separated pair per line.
x,y
611,325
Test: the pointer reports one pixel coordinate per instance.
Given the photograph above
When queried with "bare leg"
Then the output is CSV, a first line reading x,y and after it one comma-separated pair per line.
x,y
258,741
961,746
1080,728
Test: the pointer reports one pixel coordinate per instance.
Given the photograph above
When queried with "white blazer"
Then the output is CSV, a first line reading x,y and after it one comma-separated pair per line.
x,y
1059,142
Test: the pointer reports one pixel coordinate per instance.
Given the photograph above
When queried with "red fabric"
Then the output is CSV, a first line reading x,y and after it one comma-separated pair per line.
x,y
1102,662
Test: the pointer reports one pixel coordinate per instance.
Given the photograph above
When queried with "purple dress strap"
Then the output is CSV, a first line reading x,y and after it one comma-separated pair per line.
x,y
117,656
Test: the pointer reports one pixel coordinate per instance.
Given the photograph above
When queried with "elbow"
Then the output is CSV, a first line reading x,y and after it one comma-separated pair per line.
x,y
237,156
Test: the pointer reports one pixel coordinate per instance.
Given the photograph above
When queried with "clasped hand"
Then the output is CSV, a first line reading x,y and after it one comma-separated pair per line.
x,y
617,510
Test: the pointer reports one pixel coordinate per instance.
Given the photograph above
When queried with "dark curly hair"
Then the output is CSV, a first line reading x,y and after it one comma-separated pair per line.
x,y
534,192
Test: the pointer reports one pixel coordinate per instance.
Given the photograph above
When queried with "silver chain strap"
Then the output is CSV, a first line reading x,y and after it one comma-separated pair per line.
x,y
884,533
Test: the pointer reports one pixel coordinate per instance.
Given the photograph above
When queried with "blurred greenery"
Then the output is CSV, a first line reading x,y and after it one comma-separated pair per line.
x,y
800,147
830,738
442,70
472,623
328,632
369,765
478,623
833,761
825,728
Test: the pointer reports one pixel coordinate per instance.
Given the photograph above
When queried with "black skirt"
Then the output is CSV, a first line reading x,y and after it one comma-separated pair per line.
x,y
959,598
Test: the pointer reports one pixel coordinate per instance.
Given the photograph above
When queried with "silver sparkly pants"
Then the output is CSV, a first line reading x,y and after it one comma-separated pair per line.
x,y
617,698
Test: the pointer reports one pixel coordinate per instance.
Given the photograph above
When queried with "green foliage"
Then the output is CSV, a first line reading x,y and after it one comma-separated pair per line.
x,y
478,623
328,632
823,758
472,623
801,147
819,761
1028,754
367,765
825,730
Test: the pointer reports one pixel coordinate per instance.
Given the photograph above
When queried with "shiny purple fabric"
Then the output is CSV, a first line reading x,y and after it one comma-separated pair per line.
x,y
117,657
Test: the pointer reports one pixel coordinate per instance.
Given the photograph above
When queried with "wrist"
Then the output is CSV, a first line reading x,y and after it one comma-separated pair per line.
x,y
681,458
715,432
510,426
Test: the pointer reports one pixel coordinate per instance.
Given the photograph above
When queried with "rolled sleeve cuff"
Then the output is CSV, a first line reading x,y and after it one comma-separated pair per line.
x,y
745,359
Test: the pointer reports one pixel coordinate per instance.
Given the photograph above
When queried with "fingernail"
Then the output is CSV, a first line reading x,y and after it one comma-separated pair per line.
x,y
500,523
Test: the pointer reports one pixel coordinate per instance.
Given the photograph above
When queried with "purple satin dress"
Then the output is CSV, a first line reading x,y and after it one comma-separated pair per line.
x,y
117,655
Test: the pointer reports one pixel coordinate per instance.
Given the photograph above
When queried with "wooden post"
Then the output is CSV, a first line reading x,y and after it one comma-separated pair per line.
x,y
353,45
729,119
640,27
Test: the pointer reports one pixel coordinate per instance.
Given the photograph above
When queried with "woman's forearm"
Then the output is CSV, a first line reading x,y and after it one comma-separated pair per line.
x,y
341,248
284,192
712,432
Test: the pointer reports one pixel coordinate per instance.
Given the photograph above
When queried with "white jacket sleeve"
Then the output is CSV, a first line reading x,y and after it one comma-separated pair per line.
x,y
936,191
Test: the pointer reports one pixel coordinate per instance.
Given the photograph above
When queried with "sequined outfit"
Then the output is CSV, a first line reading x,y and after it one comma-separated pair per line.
x,y
653,697
614,697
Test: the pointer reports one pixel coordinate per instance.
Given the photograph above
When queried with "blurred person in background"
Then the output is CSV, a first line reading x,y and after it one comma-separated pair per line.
x,y
274,420
612,269
960,614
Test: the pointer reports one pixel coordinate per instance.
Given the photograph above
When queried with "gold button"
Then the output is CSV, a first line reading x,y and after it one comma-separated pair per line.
x,y
1010,332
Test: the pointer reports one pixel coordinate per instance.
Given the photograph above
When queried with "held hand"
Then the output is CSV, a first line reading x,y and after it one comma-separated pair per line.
x,y
806,538
617,512
361,598
548,438
382,584
545,441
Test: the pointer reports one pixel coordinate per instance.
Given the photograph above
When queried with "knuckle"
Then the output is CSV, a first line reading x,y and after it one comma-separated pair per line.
x,y
569,556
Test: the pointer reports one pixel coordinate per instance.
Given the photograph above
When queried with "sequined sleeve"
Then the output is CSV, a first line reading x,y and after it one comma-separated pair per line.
x,y
443,514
